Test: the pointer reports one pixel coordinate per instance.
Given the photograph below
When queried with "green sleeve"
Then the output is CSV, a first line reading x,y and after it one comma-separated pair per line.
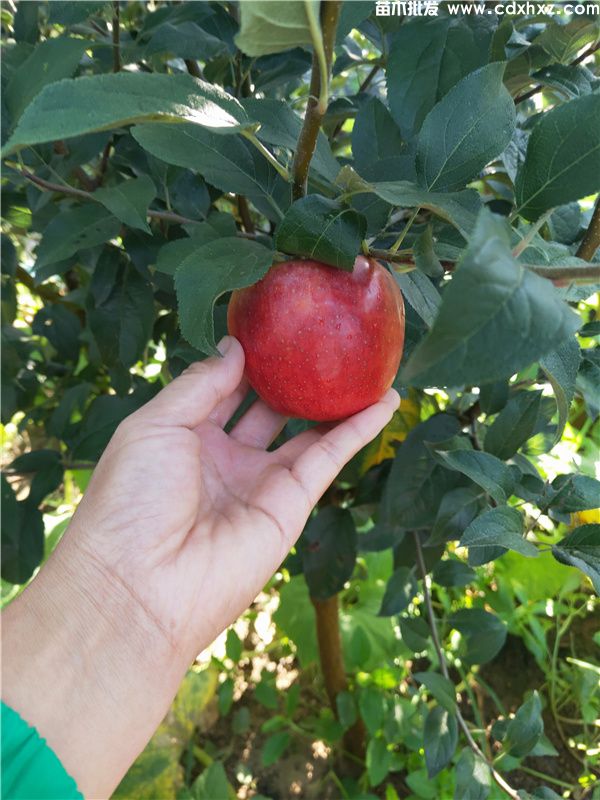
x,y
30,769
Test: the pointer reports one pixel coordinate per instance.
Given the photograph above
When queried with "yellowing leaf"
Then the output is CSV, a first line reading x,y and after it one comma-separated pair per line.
x,y
157,772
588,517
397,429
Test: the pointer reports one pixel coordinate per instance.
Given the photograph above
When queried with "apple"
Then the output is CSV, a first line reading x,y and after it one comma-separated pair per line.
x,y
320,343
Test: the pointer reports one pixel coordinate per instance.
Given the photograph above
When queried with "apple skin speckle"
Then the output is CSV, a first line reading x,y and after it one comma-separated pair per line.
x,y
320,343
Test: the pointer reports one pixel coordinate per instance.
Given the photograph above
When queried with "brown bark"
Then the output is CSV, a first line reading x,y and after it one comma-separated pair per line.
x,y
332,667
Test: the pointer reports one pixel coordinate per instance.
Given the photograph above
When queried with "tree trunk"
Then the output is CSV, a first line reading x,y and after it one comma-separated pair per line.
x,y
332,667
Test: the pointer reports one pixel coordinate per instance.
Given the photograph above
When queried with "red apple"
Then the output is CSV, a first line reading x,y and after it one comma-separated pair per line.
x,y
320,343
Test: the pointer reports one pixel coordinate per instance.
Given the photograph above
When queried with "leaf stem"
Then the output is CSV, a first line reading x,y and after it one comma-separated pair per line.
x,y
307,141
591,240
533,229
394,248
506,787
249,135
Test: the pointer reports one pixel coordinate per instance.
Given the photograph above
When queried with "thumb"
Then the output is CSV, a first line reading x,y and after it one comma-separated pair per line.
x,y
188,400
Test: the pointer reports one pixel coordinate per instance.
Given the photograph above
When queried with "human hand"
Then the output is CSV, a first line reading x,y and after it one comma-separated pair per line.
x,y
180,527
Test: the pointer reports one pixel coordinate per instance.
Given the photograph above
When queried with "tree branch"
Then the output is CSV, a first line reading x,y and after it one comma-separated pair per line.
x,y
71,191
313,117
193,68
116,36
577,273
520,98
506,787
591,240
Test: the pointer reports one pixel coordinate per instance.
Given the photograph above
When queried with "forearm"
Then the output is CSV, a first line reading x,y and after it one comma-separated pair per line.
x,y
88,667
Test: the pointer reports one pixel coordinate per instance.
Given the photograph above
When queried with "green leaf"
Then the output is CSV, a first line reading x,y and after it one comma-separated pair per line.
x,y
452,572
563,42
184,40
120,309
378,761
439,687
493,396
458,208
561,367
225,697
375,137
476,120
372,709
440,737
570,81
495,318
212,784
572,493
417,483
420,292
400,590
233,645
484,633
267,28
328,551
457,509
50,61
76,106
207,273
473,779
319,228
563,157
129,201
501,528
76,229
232,164
61,327
22,536
427,58
274,747
415,633
358,650
514,425
424,254
581,549
346,709
487,471
525,729
66,12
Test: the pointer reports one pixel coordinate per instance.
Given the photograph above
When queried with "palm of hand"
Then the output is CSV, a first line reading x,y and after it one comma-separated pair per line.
x,y
184,512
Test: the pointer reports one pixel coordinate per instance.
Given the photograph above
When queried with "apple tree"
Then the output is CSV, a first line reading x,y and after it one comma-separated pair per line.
x,y
159,156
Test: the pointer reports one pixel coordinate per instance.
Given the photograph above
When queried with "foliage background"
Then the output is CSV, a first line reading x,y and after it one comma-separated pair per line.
x,y
464,152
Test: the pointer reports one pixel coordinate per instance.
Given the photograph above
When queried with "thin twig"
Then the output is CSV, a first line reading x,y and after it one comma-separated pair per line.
x,y
116,36
165,216
193,68
591,240
102,167
577,273
506,787
520,98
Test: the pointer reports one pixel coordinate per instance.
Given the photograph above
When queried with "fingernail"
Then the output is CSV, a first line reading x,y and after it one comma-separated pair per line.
x,y
224,345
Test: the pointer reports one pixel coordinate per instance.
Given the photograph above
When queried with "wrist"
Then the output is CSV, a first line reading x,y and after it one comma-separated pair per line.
x,y
87,665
